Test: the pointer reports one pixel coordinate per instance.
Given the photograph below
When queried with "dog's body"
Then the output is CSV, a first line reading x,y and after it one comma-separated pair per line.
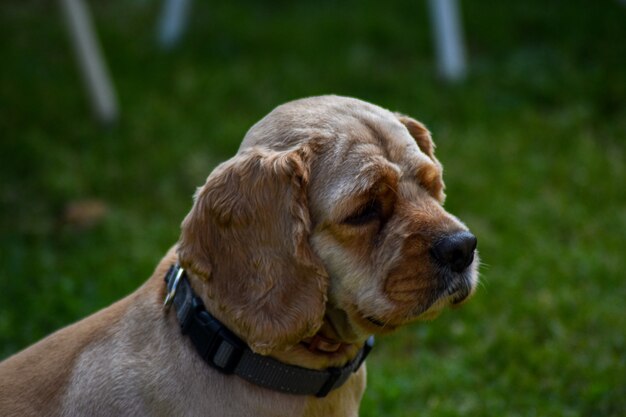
x,y
130,359
327,225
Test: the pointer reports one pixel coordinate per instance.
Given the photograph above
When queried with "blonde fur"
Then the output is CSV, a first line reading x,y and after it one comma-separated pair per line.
x,y
320,225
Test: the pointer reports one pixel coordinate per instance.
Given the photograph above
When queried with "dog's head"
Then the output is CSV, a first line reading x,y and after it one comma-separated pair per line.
x,y
331,210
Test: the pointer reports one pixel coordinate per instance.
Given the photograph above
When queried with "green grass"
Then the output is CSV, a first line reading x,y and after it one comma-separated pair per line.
x,y
532,143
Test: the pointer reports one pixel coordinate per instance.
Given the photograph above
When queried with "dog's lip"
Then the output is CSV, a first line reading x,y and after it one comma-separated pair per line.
x,y
453,295
460,292
462,295
459,299
375,321
378,324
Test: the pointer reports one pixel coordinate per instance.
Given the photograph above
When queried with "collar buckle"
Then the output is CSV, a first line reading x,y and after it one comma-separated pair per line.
x,y
215,343
169,297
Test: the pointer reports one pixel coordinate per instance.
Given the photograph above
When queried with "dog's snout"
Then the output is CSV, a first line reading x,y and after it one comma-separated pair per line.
x,y
455,251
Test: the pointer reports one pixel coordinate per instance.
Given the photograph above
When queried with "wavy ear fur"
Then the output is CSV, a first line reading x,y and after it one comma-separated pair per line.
x,y
431,178
247,238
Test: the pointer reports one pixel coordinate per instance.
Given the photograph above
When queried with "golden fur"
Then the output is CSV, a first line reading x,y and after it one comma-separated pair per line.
x,y
320,228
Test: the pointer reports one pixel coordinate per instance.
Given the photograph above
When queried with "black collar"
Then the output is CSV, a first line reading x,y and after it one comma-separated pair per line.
x,y
227,353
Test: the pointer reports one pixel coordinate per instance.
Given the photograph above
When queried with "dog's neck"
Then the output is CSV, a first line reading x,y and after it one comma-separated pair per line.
x,y
227,353
335,334
325,349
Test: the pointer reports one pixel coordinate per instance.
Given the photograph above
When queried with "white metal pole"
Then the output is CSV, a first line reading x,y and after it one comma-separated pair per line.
x,y
448,36
173,22
90,60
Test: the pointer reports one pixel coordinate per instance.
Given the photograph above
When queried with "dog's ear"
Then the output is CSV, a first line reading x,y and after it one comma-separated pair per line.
x,y
431,176
421,135
247,237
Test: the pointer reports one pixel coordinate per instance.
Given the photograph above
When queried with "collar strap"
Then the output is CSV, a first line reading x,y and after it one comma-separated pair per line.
x,y
228,354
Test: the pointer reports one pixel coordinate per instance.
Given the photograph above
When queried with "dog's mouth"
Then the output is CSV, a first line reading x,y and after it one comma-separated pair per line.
x,y
453,295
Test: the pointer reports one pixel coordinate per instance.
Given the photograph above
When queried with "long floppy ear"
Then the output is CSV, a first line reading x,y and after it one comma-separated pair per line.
x,y
432,177
247,237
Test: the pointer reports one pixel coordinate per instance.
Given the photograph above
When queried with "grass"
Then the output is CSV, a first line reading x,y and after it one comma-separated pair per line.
x,y
532,142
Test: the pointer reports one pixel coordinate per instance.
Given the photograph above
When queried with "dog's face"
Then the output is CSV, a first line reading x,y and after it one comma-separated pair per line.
x,y
331,211
376,202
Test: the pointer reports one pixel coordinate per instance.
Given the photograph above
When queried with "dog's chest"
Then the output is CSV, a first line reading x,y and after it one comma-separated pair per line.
x,y
156,372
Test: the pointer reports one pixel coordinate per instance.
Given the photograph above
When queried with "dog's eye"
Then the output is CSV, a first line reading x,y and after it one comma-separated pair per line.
x,y
365,214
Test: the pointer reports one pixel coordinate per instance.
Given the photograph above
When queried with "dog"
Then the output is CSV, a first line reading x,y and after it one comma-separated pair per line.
x,y
327,227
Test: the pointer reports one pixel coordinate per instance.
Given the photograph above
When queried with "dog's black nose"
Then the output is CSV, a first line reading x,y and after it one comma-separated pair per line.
x,y
455,250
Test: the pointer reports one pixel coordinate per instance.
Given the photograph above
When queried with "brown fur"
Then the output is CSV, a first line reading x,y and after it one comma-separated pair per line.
x,y
280,296
277,246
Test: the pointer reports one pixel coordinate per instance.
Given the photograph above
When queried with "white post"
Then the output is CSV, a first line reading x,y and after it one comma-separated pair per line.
x,y
447,32
90,60
173,22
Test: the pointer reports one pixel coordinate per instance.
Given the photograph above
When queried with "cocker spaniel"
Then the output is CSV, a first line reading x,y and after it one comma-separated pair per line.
x,y
327,227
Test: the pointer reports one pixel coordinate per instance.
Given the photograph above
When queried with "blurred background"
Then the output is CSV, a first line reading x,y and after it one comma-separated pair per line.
x,y
532,139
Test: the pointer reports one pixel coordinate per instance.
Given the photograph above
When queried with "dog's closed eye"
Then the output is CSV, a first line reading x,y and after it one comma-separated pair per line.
x,y
367,213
